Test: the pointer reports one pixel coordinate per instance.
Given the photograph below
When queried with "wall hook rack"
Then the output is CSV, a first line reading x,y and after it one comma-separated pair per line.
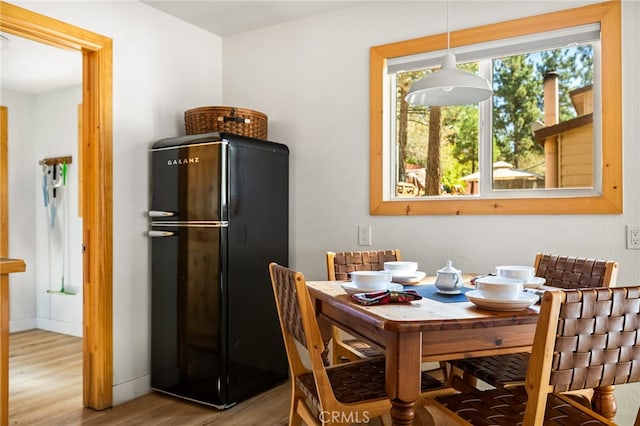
x,y
55,160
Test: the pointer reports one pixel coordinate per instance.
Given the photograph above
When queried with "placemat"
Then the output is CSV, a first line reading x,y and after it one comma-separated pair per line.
x,y
431,292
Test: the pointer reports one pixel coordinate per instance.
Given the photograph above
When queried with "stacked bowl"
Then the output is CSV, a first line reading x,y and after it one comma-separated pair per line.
x,y
504,290
401,267
371,280
499,288
404,272
524,273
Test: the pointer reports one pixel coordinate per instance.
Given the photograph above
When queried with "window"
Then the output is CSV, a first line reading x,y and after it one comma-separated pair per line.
x,y
515,153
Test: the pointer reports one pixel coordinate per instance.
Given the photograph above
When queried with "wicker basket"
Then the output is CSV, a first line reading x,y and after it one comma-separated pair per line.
x,y
241,121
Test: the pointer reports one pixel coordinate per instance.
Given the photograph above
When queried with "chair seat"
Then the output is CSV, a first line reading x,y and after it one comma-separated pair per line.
x,y
497,370
363,348
357,381
507,407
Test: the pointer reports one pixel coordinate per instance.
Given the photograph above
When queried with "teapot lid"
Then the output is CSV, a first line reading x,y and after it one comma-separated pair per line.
x,y
448,268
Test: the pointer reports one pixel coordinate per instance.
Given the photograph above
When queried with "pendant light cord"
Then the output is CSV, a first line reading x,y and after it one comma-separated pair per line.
x,y
449,85
448,31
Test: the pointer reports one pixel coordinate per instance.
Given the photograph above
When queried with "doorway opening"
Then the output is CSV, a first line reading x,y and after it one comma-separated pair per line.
x,y
95,162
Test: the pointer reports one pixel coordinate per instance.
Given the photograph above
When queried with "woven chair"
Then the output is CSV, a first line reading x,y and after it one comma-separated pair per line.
x,y
341,394
584,339
339,266
511,369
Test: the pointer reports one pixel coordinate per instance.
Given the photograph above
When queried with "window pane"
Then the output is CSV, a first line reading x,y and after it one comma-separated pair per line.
x,y
542,129
436,148
542,119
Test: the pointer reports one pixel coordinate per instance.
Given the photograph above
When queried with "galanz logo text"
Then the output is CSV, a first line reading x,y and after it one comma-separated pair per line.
x,y
181,161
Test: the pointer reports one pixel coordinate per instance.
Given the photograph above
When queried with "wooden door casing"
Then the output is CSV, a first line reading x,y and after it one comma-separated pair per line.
x,y
96,190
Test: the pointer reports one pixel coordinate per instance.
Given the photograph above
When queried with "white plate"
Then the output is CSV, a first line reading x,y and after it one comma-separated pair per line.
x,y
523,301
413,278
534,282
350,288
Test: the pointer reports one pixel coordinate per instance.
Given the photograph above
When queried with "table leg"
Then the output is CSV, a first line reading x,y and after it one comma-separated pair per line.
x,y
402,413
403,357
604,401
325,331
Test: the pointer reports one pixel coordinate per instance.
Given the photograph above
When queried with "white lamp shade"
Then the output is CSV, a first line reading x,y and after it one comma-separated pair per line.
x,y
449,86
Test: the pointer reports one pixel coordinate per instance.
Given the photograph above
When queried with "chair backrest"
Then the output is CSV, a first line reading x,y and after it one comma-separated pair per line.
x,y
575,272
584,339
340,264
298,323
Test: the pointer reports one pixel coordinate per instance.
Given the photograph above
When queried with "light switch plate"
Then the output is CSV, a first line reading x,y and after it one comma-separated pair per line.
x,y
633,237
364,235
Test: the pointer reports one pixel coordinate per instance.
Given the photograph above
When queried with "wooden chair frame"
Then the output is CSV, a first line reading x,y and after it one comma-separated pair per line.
x,y
609,278
315,347
348,348
466,381
311,338
545,359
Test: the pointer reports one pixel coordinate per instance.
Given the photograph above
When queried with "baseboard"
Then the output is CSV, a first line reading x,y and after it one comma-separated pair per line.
x,y
131,389
55,326
22,325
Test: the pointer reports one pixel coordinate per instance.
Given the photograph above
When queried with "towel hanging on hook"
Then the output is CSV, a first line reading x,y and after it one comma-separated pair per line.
x,y
54,170
45,191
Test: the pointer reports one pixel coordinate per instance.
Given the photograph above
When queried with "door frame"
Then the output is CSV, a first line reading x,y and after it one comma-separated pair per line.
x,y
95,163
4,190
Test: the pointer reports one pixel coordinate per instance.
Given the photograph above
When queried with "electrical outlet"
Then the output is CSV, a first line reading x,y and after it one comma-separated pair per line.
x,y
633,236
364,235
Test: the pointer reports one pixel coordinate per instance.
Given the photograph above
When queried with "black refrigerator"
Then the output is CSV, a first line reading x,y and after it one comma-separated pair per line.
x,y
218,216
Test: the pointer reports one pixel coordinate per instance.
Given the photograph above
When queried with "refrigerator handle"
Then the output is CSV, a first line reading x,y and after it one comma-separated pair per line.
x,y
160,233
160,213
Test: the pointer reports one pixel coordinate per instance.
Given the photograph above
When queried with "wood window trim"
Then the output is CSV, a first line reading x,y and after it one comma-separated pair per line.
x,y
608,14
96,192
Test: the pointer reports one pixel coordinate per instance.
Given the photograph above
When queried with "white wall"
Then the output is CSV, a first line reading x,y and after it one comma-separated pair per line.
x,y
311,77
22,160
42,126
161,67
55,120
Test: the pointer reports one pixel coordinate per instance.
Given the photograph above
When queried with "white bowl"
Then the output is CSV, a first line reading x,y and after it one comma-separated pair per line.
x,y
371,280
401,267
515,272
499,287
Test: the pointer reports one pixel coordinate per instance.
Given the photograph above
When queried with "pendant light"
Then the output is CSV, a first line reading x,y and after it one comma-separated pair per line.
x,y
449,85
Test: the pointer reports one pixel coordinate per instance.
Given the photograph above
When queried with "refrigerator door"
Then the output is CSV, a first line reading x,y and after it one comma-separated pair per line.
x,y
258,235
189,182
187,313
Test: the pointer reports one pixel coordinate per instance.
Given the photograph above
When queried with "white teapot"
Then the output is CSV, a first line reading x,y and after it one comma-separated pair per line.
x,y
449,279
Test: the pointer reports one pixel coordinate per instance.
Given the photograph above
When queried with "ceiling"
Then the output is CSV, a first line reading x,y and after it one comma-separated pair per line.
x,y
55,68
226,18
58,68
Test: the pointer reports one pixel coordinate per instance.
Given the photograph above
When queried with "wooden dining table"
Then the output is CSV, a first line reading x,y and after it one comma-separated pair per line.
x,y
431,329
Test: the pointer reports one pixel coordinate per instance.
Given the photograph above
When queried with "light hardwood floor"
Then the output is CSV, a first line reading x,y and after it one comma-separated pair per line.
x,y
45,388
